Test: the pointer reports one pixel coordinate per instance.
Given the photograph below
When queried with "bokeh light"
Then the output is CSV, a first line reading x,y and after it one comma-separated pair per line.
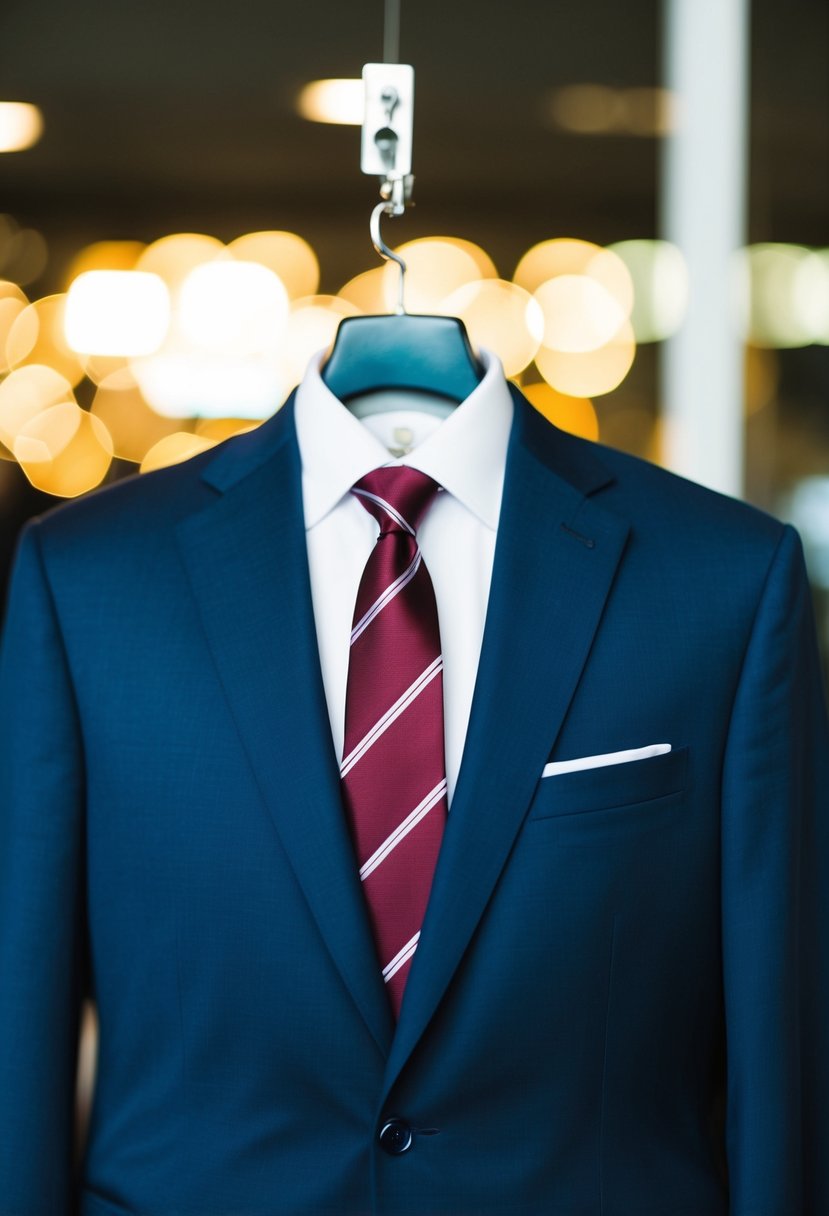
x,y
811,294
485,264
579,313
761,377
27,392
219,429
367,291
574,414
593,373
774,311
660,287
597,109
134,427
173,257
500,316
23,252
340,101
572,256
64,450
232,307
38,336
117,312
188,384
12,303
239,323
435,267
21,125
290,257
105,255
173,449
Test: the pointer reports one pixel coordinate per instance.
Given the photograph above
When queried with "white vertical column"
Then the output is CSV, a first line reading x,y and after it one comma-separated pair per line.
x,y
704,172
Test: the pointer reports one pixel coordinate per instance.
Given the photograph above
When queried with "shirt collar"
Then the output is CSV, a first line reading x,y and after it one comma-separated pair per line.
x,y
466,453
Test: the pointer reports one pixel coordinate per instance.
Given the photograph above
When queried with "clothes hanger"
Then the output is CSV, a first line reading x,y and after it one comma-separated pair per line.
x,y
399,360
377,362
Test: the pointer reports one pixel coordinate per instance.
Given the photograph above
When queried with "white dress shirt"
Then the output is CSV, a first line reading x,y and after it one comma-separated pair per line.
x,y
466,454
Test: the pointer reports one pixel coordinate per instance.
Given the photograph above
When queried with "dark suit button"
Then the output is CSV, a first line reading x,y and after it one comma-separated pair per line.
x,y
396,1137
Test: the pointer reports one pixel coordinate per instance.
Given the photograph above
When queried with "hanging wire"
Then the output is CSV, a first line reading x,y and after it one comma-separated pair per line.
x,y
391,32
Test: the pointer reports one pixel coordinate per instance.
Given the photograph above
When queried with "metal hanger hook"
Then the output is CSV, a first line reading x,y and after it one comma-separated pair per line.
x,y
388,208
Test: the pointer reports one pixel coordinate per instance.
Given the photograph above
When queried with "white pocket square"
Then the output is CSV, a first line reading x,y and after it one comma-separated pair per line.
x,y
556,767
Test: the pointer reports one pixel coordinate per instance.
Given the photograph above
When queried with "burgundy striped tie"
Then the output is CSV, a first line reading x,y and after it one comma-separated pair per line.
x,y
393,772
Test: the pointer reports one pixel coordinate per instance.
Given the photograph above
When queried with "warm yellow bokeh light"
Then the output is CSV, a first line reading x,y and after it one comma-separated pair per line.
x,y
10,309
579,313
561,255
631,428
64,451
38,336
593,373
173,257
231,307
105,255
609,270
117,312
501,317
12,291
312,326
173,449
285,253
134,427
27,392
485,264
434,268
219,429
21,125
367,291
339,101
98,368
761,377
574,414
571,256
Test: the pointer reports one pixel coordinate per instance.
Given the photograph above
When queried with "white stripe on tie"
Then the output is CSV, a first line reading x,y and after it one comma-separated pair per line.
x,y
402,830
387,507
400,958
388,595
379,728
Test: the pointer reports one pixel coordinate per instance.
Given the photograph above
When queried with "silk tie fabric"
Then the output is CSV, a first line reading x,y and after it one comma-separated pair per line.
x,y
393,772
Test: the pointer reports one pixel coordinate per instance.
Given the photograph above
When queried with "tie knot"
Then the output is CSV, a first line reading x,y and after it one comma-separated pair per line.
x,y
397,496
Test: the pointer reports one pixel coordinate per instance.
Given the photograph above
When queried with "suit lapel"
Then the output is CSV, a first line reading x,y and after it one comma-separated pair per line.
x,y
555,558
247,562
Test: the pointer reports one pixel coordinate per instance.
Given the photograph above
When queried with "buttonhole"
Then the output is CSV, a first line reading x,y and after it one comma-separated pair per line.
x,y
587,541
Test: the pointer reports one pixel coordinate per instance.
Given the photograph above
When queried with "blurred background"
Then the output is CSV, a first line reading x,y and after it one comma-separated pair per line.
x,y
628,202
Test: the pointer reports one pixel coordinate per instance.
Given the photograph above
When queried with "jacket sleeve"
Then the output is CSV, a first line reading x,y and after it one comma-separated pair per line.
x,y
775,909
41,899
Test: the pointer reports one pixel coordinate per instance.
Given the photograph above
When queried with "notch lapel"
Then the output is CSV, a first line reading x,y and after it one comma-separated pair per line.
x,y
246,559
555,559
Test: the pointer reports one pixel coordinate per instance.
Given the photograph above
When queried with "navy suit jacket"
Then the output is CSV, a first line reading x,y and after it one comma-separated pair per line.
x,y
620,1001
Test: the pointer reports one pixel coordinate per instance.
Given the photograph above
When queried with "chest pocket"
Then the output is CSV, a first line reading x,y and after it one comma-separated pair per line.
x,y
657,780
